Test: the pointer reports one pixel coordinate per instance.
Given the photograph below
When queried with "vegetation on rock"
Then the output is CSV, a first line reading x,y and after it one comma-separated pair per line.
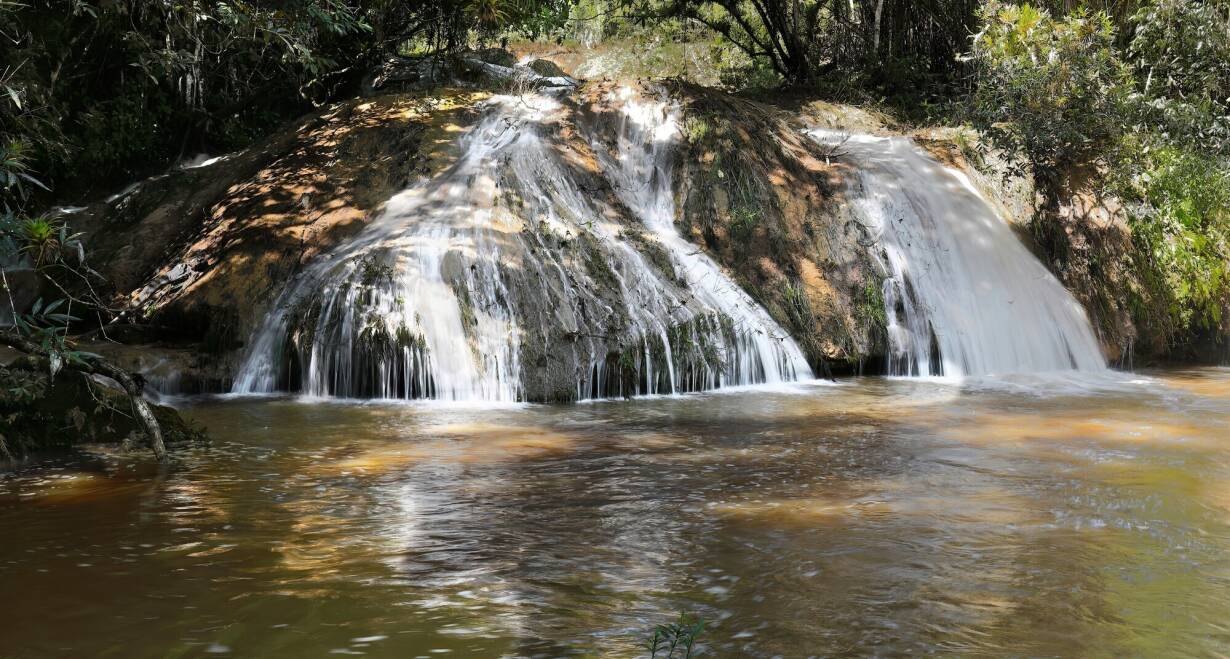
x,y
1118,112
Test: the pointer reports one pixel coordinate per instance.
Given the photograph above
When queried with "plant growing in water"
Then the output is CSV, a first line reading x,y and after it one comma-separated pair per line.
x,y
675,640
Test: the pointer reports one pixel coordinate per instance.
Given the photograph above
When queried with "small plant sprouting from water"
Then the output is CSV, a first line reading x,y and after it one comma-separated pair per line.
x,y
675,640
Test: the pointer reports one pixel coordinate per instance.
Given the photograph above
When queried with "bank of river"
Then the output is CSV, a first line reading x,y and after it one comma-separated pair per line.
x,y
1038,516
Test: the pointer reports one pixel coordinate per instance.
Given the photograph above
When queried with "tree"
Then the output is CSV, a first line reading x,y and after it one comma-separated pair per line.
x,y
805,40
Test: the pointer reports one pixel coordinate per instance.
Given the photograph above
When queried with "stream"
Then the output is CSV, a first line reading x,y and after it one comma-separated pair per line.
x,y
1082,513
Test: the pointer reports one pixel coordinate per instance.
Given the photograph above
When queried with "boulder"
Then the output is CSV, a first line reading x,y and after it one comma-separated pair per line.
x,y
547,69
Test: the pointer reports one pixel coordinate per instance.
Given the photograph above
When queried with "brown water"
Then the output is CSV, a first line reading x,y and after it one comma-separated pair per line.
x,y
873,517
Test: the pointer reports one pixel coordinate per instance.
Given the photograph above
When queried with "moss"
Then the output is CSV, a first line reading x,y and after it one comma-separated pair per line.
x,y
374,334
409,339
466,306
870,314
657,254
596,263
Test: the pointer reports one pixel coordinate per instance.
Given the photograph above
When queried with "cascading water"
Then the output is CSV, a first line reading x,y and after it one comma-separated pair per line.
x,y
510,276
415,307
964,295
761,350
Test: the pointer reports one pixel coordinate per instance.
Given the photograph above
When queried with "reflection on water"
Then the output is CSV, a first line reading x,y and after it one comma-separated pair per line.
x,y
1040,516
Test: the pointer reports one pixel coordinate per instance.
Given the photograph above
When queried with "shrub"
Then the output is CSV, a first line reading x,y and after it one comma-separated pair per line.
x,y
1053,91
1182,51
1181,224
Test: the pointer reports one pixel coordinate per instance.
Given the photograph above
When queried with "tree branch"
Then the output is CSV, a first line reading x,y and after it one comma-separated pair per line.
x,y
97,366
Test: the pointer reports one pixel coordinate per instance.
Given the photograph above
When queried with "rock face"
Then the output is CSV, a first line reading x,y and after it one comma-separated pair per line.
x,y
544,265
601,304
766,202
532,246
197,255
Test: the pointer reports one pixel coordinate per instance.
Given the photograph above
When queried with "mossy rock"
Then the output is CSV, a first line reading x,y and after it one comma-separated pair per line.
x,y
547,68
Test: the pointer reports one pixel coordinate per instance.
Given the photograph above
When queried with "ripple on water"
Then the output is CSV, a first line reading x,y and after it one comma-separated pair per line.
x,y
1035,516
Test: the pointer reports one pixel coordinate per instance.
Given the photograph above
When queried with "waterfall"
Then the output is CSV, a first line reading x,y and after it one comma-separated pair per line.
x,y
763,351
416,305
512,275
964,296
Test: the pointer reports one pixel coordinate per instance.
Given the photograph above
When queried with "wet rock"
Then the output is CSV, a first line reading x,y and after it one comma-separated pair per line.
x,y
195,257
767,203
403,74
497,56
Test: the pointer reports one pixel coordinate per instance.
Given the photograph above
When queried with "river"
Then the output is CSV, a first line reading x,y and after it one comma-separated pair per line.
x,y
1037,516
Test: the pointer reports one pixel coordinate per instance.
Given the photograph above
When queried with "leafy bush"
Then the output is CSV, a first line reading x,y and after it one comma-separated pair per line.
x,y
1147,117
1182,51
1181,224
1053,91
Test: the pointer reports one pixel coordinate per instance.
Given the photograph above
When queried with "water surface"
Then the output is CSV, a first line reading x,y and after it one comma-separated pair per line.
x,y
876,516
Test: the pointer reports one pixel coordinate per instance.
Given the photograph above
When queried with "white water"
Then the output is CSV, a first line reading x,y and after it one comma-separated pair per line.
x,y
642,177
964,296
439,296
392,282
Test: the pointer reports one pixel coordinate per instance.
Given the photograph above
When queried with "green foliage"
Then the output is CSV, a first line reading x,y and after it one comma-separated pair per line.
x,y
1181,224
1181,49
743,223
20,388
41,239
101,92
118,87
869,310
1053,91
798,306
15,173
48,327
676,640
1146,119
876,44
373,271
